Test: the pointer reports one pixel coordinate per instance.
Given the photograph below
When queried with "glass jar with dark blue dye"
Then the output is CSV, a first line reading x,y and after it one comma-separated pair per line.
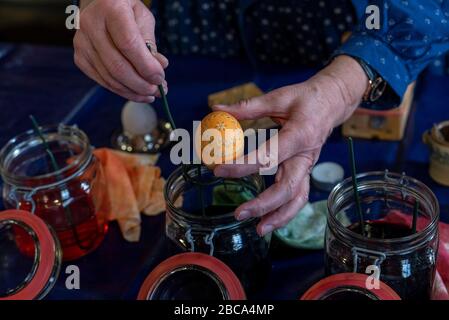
x,y
205,221
387,245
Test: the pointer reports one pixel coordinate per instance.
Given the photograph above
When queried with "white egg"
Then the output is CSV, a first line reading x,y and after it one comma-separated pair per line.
x,y
138,118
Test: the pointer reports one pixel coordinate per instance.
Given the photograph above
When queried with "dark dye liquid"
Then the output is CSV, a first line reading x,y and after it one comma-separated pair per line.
x,y
188,285
240,248
411,275
215,211
382,230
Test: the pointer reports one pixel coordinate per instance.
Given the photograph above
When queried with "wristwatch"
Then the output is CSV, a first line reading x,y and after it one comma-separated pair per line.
x,y
376,86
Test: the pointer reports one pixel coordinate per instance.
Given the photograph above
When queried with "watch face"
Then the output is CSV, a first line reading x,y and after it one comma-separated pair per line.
x,y
378,88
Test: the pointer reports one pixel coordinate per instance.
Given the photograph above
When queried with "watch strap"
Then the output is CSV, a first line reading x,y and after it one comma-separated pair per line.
x,y
376,86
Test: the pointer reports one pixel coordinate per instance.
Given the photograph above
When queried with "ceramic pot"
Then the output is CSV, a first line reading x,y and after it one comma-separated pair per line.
x,y
437,139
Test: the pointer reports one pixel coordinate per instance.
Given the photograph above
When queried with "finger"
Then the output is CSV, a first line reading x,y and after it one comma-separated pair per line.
x,y
128,38
116,86
280,217
273,104
118,66
287,186
270,154
83,64
162,60
146,24
87,67
94,59
164,87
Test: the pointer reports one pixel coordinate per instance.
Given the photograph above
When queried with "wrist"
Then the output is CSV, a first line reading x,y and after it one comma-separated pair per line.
x,y
344,82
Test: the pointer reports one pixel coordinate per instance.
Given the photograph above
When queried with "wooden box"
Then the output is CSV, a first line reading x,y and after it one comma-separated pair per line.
x,y
384,125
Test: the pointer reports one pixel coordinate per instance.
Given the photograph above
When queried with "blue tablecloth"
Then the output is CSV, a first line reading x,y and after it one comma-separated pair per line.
x,y
43,81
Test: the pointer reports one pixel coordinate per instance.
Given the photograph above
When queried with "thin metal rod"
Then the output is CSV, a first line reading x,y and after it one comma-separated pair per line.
x,y
415,215
173,125
166,107
163,95
200,192
67,211
355,186
50,154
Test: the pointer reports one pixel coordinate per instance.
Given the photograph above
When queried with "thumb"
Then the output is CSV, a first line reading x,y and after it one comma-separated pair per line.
x,y
248,109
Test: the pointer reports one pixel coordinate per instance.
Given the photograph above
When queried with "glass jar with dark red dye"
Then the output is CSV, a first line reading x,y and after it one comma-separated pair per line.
x,y
388,246
68,199
204,222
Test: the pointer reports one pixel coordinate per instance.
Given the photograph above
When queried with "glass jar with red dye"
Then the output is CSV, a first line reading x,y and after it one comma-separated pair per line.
x,y
68,199
388,245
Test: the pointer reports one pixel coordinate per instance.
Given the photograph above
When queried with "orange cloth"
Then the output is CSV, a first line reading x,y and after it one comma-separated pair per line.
x,y
132,185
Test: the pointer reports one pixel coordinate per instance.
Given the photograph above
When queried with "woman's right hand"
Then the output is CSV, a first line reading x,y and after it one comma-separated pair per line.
x,y
110,48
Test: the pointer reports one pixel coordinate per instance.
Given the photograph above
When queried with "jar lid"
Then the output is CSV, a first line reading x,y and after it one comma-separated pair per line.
x,y
349,286
326,175
31,256
192,276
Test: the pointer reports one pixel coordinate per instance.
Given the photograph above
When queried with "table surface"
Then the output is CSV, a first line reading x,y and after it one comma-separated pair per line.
x,y
44,81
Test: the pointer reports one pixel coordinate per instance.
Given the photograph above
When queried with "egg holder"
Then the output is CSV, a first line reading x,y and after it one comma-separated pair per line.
x,y
152,142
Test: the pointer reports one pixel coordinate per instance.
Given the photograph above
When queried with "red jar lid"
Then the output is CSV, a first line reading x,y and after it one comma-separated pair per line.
x,y
351,285
192,273
47,261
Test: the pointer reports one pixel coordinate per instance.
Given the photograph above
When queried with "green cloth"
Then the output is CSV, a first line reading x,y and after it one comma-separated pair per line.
x,y
306,230
231,194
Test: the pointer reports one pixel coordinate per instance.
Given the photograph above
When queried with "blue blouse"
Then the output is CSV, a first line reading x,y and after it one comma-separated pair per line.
x,y
413,34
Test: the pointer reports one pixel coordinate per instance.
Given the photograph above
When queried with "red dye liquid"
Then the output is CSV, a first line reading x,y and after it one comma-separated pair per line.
x,y
80,230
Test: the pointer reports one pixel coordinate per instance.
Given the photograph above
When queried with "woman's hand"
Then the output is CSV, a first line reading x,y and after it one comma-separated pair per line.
x,y
307,113
110,48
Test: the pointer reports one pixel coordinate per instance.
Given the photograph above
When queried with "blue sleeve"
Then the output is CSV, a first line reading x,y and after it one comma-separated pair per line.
x,y
412,34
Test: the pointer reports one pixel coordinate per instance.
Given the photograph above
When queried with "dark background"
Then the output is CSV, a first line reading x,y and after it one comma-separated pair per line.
x,y
34,21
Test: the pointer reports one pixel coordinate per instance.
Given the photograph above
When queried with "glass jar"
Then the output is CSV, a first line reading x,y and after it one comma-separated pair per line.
x,y
405,259
205,222
68,199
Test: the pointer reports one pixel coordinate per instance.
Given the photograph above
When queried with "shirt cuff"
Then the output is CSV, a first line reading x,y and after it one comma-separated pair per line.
x,y
379,56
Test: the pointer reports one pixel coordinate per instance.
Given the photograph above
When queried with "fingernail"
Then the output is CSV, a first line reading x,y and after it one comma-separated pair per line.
x,y
267,229
243,215
166,62
150,99
157,79
165,88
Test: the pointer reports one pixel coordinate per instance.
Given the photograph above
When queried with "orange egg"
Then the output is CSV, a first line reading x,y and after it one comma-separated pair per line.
x,y
222,139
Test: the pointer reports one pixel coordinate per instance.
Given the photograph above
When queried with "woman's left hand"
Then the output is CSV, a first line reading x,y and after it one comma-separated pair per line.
x,y
307,113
